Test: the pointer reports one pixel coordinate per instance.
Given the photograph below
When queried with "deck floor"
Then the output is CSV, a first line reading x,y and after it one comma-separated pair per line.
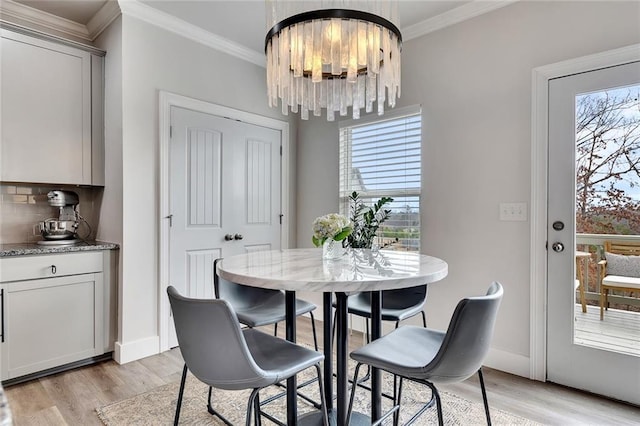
x,y
619,331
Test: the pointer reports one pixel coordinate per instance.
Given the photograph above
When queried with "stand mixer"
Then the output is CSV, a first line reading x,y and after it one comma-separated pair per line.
x,y
61,230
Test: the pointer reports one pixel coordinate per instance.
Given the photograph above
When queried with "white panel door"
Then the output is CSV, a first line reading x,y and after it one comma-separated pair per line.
x,y
596,370
224,196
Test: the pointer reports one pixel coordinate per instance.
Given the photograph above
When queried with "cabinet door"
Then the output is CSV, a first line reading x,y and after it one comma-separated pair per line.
x,y
51,322
45,112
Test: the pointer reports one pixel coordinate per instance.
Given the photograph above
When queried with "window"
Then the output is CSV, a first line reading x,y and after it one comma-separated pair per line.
x,y
382,158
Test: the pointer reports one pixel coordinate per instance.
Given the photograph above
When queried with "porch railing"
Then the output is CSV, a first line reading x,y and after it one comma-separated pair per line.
x,y
594,243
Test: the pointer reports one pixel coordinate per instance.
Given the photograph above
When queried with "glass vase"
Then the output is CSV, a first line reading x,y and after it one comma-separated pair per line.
x,y
332,249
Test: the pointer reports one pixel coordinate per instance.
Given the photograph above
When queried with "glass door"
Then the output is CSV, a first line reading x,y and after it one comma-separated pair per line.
x,y
594,196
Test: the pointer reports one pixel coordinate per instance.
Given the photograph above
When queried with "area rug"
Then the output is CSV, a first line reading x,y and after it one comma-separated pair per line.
x,y
157,407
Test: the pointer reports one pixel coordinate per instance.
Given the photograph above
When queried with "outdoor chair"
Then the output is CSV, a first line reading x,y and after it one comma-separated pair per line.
x,y
619,270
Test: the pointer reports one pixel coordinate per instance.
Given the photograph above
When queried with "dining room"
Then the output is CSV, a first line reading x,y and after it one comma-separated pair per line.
x,y
459,159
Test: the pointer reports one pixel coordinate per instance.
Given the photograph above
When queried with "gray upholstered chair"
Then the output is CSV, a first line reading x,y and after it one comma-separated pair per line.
x,y
397,305
430,356
224,356
256,307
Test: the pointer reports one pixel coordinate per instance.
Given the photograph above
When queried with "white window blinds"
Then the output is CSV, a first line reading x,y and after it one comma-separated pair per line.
x,y
383,158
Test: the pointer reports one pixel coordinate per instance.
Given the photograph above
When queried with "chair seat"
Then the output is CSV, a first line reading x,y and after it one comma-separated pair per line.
x,y
270,311
404,351
621,282
279,358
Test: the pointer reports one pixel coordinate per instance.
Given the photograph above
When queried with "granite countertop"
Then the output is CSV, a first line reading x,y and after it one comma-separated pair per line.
x,y
25,249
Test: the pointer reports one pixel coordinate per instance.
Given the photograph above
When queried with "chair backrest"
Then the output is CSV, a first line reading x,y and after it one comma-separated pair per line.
x,y
212,343
622,247
240,296
468,338
404,297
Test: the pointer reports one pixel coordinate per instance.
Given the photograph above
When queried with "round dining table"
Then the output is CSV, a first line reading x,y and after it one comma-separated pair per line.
x,y
358,270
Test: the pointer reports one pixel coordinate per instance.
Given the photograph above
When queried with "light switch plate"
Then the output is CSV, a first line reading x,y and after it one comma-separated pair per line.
x,y
513,211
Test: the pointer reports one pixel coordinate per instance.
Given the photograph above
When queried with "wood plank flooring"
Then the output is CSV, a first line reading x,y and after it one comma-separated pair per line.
x,y
71,397
619,331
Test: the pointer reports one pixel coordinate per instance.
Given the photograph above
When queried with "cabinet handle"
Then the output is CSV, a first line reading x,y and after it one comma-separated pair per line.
x,y
54,269
2,315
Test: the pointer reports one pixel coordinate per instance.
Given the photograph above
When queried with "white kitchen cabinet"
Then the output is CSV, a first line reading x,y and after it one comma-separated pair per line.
x,y
53,311
51,113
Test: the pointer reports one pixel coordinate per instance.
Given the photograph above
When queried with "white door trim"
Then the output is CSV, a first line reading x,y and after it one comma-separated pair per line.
x,y
539,168
166,101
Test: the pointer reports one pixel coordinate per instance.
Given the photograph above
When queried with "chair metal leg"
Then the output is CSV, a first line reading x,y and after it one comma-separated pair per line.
x,y
180,394
275,329
397,395
424,319
323,401
436,395
484,397
250,405
353,392
313,329
256,410
212,411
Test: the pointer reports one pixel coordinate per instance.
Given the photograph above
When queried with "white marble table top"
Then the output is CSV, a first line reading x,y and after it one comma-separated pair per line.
x,y
357,270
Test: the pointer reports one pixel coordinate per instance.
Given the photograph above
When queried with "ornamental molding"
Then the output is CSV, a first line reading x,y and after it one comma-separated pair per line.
x,y
18,13
12,11
452,17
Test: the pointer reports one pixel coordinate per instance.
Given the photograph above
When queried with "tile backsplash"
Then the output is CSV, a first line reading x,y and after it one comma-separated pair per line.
x,y
22,206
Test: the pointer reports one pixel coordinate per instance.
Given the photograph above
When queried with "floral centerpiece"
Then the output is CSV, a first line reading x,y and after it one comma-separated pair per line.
x,y
329,231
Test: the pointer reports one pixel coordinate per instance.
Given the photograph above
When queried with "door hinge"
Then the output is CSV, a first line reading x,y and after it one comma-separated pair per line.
x,y
281,216
170,131
170,217
280,150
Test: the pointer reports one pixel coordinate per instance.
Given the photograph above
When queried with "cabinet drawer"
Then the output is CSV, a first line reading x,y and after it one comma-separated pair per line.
x,y
47,266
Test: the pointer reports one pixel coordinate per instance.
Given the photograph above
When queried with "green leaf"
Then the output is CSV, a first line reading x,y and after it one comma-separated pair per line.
x,y
343,234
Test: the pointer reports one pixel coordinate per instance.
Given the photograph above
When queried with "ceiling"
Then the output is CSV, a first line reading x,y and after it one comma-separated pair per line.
x,y
242,22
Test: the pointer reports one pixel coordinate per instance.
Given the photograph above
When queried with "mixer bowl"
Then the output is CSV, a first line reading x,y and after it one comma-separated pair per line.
x,y
53,229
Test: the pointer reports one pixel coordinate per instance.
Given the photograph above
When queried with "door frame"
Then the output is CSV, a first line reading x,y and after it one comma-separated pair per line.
x,y
539,169
166,101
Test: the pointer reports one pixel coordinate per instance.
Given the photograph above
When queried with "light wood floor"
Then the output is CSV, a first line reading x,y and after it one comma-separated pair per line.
x,y
72,397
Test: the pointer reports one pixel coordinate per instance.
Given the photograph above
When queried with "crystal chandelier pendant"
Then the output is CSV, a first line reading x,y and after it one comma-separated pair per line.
x,y
333,59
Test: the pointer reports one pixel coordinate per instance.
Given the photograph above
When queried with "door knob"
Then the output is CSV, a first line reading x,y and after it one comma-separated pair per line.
x,y
238,237
557,247
228,237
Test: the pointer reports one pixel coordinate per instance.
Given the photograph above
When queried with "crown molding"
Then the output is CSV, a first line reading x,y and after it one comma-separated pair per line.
x,y
168,22
101,20
14,12
22,13
454,16
134,8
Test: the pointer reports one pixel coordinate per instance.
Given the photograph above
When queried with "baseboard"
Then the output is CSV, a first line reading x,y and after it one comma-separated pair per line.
x,y
131,351
508,362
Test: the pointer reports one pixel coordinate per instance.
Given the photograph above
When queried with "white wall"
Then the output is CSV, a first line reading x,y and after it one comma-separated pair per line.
x,y
473,81
154,59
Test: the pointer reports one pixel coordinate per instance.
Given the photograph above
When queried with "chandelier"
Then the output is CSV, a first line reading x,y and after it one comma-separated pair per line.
x,y
332,58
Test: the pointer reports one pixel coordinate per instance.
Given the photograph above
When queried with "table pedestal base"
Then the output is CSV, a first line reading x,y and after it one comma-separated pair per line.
x,y
315,418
